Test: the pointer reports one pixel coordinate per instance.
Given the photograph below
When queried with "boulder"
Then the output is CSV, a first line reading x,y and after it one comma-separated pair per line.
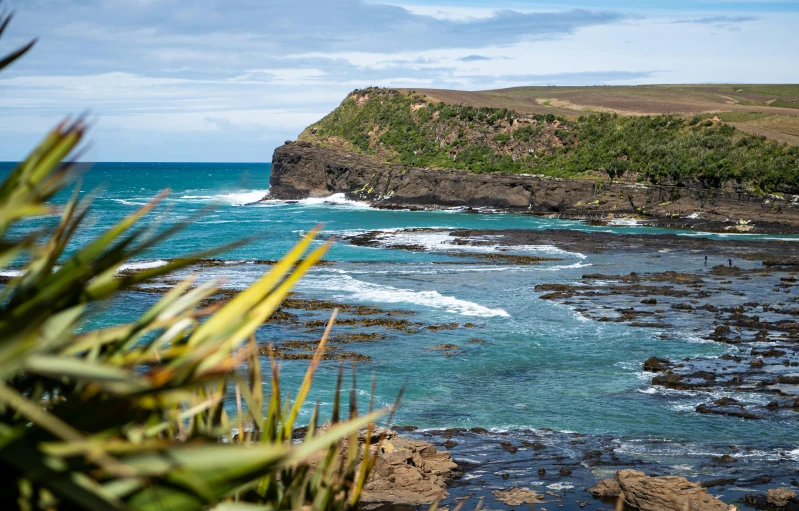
x,y
606,489
407,472
665,493
656,365
780,497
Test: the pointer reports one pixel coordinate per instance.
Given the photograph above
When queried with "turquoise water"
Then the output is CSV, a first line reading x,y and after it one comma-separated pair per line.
x,y
542,365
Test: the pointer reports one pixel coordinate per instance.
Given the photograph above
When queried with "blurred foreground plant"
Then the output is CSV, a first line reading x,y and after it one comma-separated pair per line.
x,y
131,416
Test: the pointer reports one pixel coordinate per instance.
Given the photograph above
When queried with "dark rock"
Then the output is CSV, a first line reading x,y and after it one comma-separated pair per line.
x,y
509,447
656,365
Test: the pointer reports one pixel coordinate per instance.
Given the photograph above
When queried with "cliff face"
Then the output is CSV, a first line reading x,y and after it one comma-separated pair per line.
x,y
301,170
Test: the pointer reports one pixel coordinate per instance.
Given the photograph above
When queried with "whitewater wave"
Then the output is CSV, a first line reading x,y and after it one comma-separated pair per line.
x,y
127,202
142,265
233,198
443,242
136,265
337,199
624,222
566,267
387,294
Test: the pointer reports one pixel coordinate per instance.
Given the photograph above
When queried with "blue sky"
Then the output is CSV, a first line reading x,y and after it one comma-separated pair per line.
x,y
229,80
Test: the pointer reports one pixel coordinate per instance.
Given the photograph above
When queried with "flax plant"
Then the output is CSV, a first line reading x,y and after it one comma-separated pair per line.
x,y
132,416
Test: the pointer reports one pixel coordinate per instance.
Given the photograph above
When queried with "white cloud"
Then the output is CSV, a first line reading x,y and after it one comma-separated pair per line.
x,y
257,71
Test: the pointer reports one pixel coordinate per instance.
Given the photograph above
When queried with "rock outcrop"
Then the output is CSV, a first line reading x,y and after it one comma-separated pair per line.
x,y
407,473
780,497
517,496
775,499
666,493
301,170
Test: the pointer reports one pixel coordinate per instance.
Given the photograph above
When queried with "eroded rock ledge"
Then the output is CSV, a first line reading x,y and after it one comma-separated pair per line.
x,y
665,493
408,473
301,170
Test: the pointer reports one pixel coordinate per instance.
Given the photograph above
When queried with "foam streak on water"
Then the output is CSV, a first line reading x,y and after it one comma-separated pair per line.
x,y
346,287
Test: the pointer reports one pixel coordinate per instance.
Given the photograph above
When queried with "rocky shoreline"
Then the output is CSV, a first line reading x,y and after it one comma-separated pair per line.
x,y
752,309
301,170
556,469
571,471
718,302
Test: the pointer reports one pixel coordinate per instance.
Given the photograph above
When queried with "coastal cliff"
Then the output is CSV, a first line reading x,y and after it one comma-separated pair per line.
x,y
302,169
402,149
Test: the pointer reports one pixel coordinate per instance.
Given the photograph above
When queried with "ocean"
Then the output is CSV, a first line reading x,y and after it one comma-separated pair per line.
x,y
542,364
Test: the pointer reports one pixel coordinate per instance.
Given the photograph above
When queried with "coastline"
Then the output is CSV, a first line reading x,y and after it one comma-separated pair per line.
x,y
301,170
761,330
562,465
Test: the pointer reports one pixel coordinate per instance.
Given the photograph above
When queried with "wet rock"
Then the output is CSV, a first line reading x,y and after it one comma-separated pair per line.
x,y
517,496
509,447
775,500
656,365
565,472
649,301
726,406
443,347
712,483
725,459
771,352
555,291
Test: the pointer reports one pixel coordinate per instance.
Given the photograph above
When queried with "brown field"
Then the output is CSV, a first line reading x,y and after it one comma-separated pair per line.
x,y
769,110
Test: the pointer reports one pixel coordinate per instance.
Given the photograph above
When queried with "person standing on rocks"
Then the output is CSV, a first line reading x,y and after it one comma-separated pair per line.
x,y
705,260
730,261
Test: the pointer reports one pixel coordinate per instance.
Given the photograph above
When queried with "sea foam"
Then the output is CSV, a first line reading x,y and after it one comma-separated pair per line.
x,y
233,198
142,265
443,242
368,291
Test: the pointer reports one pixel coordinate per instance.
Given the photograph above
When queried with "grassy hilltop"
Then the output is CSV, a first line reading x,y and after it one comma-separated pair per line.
x,y
769,110
512,131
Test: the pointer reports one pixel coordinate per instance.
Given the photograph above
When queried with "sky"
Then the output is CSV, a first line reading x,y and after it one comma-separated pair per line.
x,y
230,80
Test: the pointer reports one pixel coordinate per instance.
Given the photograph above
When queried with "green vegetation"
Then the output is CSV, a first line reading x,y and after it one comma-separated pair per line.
x,y
407,128
777,90
132,416
785,104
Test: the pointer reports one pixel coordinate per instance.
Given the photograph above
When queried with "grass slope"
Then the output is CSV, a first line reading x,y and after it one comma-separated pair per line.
x,y
413,129
778,102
